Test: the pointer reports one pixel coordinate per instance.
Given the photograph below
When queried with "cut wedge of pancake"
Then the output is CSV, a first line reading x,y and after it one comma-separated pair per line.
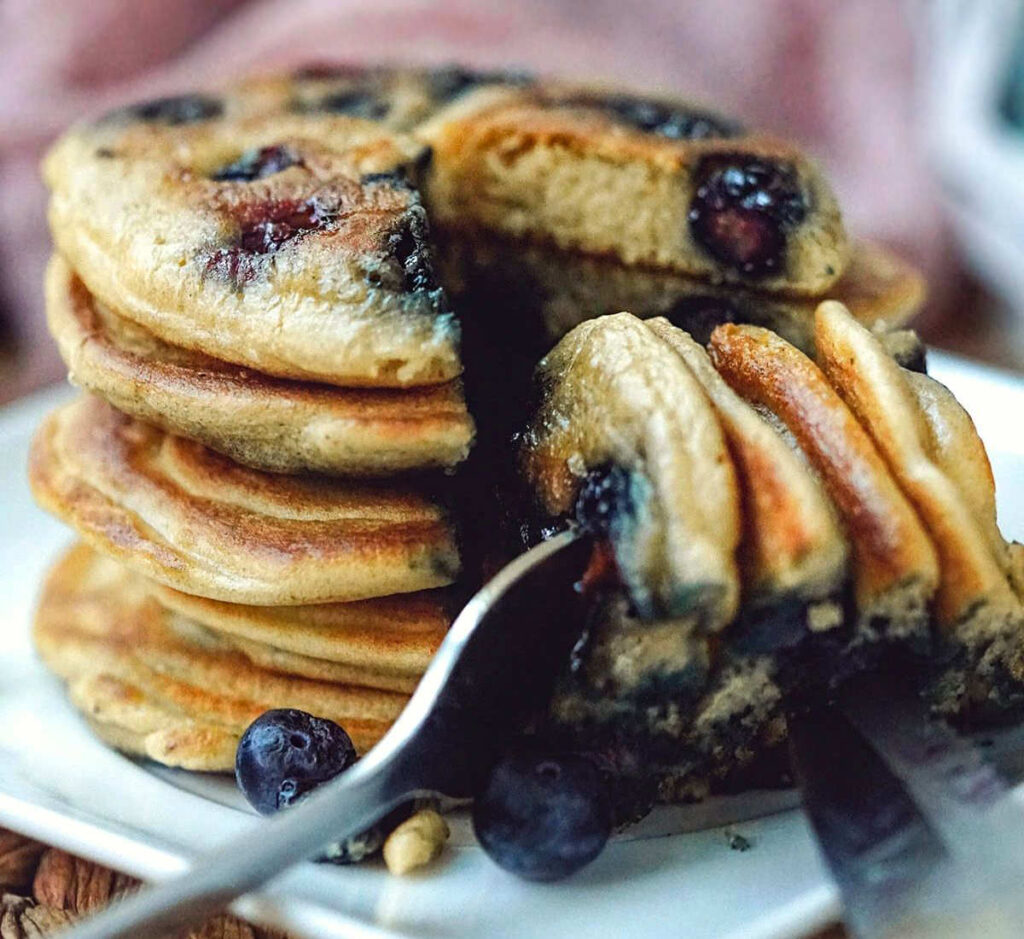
x,y
287,243
792,544
561,289
269,423
612,394
650,181
183,515
385,643
154,691
895,568
934,452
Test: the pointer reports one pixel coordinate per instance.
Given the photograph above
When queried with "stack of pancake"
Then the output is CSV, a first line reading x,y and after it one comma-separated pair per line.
x,y
271,339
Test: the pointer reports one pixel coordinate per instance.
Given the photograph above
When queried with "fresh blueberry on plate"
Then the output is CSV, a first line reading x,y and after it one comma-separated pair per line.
x,y
286,753
543,817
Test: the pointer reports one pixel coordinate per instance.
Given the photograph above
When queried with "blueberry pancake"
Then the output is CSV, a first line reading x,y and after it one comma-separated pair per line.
x,y
934,452
386,642
145,681
288,243
558,290
174,511
652,182
275,424
894,564
613,397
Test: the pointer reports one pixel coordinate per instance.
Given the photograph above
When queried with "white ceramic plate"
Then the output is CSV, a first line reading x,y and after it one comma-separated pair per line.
x,y
57,783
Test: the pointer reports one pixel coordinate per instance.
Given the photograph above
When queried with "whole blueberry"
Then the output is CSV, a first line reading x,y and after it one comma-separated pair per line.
x,y
543,817
742,210
286,753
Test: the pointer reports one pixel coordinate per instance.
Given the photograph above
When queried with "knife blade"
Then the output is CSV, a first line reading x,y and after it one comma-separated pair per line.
x,y
919,829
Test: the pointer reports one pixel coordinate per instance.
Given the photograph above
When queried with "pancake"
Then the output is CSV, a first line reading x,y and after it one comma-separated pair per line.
x,y
558,290
792,545
148,688
172,510
894,564
385,643
291,244
648,181
268,423
934,452
612,394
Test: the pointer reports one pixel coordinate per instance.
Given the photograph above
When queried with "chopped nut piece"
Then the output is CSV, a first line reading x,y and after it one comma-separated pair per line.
x,y
416,842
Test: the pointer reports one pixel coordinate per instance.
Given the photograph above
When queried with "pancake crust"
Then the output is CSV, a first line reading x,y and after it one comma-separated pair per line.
x,y
174,511
574,166
148,688
268,423
385,643
614,393
288,243
895,568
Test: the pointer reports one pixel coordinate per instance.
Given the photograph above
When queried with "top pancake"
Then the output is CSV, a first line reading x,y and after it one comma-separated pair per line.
x,y
289,243
277,424
174,511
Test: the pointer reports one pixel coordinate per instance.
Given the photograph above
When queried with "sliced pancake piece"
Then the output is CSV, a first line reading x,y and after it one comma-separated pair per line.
x,y
152,690
386,642
288,243
648,181
934,452
792,548
181,514
268,423
619,408
894,564
558,290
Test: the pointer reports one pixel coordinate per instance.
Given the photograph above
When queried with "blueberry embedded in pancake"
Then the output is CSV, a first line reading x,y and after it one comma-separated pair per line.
x,y
650,183
742,211
255,240
172,111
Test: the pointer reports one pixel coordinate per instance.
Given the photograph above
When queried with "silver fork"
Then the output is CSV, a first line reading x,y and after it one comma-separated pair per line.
x,y
495,665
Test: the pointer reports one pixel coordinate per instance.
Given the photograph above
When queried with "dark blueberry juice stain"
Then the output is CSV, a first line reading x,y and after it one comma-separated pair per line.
x,y
743,209
257,164
664,120
264,230
174,111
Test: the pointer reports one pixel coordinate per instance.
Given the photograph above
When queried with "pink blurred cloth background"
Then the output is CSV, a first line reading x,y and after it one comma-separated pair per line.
x,y
840,78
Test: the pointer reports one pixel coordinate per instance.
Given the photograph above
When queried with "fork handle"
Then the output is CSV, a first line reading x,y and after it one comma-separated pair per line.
x,y
346,806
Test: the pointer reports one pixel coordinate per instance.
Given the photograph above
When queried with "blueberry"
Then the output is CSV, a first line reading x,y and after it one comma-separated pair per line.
x,y
543,817
742,209
604,498
656,117
257,164
285,754
448,83
369,103
181,109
